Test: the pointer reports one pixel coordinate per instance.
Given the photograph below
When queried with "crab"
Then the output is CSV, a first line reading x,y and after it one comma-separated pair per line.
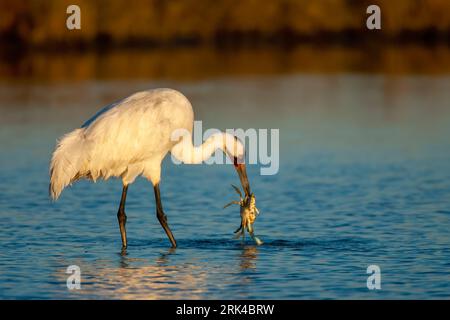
x,y
249,212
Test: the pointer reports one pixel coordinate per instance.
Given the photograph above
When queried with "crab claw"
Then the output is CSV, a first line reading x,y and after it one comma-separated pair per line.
x,y
251,232
257,240
239,233
250,228
239,229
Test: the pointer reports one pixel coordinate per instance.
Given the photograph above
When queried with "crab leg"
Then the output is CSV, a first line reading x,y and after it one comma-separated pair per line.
x,y
232,202
237,190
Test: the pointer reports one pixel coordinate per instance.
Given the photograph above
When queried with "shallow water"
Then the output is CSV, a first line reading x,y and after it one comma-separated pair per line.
x,y
364,179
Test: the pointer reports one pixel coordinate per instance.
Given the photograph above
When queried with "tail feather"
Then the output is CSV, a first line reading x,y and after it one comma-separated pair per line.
x,y
67,161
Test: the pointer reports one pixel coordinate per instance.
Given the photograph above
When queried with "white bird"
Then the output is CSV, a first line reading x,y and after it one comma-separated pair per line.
x,y
130,138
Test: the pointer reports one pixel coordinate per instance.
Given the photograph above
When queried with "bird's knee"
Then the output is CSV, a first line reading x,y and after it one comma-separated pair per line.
x,y
161,215
122,217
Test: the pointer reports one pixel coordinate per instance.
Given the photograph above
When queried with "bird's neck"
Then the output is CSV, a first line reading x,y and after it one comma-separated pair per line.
x,y
186,152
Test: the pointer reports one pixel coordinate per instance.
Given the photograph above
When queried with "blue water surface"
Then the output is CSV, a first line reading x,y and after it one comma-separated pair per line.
x,y
364,179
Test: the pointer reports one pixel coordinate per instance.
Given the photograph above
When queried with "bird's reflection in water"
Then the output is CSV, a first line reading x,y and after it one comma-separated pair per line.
x,y
164,257
163,277
134,278
248,257
244,280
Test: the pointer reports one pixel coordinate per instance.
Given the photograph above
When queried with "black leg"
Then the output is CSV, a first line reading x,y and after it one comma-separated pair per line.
x,y
162,217
122,217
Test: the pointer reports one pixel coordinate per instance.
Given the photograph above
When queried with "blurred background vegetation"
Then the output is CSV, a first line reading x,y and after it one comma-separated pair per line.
x,y
126,22
165,38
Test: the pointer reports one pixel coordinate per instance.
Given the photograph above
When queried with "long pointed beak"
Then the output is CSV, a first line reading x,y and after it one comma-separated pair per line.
x,y
240,168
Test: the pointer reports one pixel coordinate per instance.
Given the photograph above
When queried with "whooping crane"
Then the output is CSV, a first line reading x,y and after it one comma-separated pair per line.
x,y
130,138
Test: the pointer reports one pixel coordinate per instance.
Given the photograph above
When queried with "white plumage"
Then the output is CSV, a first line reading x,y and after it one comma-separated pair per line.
x,y
125,139
130,138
